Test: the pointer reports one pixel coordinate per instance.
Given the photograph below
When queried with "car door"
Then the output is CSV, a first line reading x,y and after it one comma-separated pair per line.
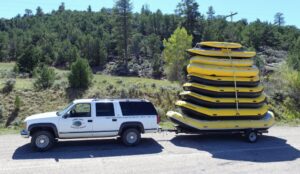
x,y
106,119
77,122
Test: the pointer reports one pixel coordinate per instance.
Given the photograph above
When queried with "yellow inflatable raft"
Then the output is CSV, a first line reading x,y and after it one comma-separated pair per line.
x,y
212,70
221,91
223,81
182,120
214,102
220,52
230,45
222,112
221,61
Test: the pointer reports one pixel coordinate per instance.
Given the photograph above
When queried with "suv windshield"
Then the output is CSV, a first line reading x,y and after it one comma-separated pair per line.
x,y
60,112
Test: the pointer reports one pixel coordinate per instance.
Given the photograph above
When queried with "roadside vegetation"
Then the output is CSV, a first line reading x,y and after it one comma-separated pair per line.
x,y
47,60
28,100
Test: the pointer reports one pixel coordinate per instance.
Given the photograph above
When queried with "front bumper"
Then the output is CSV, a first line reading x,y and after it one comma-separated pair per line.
x,y
24,133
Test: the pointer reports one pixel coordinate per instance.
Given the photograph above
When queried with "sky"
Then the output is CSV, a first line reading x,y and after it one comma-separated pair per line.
x,y
250,9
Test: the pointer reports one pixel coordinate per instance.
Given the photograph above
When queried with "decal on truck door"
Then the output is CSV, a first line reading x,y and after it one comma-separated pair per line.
x,y
78,123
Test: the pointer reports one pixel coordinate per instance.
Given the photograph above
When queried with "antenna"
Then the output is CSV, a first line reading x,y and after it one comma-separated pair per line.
x,y
231,15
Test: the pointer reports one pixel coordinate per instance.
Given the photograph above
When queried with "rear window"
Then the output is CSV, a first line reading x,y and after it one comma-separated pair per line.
x,y
105,109
137,108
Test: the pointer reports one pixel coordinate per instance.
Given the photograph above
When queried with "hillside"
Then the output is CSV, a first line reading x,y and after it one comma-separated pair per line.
x,y
128,55
59,37
161,92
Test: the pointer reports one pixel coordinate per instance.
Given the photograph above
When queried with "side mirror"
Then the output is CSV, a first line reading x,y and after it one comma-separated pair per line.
x,y
66,115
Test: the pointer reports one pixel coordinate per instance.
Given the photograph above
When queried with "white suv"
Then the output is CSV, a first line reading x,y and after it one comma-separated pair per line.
x,y
90,118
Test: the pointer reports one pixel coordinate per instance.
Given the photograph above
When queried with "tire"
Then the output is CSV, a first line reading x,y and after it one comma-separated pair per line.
x,y
42,141
251,136
131,137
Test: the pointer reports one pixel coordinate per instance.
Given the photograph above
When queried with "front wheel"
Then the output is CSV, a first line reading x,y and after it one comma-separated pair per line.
x,y
42,140
131,137
251,136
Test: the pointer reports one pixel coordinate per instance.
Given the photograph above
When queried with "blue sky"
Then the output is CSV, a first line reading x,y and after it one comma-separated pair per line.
x,y
250,9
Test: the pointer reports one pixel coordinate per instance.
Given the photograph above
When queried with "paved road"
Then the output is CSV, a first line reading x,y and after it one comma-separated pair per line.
x,y
277,152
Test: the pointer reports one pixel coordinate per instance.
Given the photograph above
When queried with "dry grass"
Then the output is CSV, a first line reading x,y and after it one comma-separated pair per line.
x,y
161,92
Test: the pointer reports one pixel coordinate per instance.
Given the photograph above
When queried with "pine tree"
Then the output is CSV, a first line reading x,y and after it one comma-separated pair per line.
x,y
81,75
45,77
28,13
188,9
122,20
39,11
89,9
279,19
210,13
61,8
29,59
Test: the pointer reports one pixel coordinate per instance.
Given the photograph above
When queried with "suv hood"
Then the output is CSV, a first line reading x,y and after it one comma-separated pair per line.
x,y
42,115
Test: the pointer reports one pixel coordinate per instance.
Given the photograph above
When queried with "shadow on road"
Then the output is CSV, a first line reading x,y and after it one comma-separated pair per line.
x,y
266,149
88,149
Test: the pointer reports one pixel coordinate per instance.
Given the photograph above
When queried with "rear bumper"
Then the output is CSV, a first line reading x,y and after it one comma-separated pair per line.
x,y
24,133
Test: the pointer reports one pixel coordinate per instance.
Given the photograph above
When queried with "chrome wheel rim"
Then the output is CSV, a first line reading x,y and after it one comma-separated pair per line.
x,y
42,141
131,137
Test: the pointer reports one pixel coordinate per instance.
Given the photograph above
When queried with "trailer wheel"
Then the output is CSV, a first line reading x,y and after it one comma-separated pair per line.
x,y
251,136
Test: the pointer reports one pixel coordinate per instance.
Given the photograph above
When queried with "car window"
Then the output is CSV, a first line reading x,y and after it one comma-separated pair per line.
x,y
105,109
81,110
137,108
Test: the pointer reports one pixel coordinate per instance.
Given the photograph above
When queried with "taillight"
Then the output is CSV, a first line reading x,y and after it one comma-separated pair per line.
x,y
157,119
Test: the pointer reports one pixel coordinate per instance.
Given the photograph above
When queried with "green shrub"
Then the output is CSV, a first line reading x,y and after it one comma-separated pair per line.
x,y
29,59
9,85
45,77
81,74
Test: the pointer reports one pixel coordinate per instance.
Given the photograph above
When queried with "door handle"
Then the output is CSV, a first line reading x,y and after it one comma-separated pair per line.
x,y
114,119
90,121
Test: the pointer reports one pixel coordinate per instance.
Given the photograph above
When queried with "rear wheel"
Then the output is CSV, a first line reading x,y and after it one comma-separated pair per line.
x,y
251,136
131,137
42,140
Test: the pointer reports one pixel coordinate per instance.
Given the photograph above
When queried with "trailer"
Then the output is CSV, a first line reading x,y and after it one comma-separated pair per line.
x,y
250,129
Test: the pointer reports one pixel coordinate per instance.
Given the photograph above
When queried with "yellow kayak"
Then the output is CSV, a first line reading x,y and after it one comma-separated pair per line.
x,y
230,45
212,70
201,111
214,102
221,91
223,81
182,120
221,52
221,61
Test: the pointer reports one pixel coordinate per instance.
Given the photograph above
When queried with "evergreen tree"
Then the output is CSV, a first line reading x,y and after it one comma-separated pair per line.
x,y
89,9
29,59
81,75
39,11
28,13
175,55
188,9
122,22
210,13
61,7
279,19
45,77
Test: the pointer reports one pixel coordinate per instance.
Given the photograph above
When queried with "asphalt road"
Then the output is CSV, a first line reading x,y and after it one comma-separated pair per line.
x,y
276,152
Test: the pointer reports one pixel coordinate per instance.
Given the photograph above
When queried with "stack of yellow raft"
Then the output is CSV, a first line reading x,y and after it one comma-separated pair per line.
x,y
223,91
